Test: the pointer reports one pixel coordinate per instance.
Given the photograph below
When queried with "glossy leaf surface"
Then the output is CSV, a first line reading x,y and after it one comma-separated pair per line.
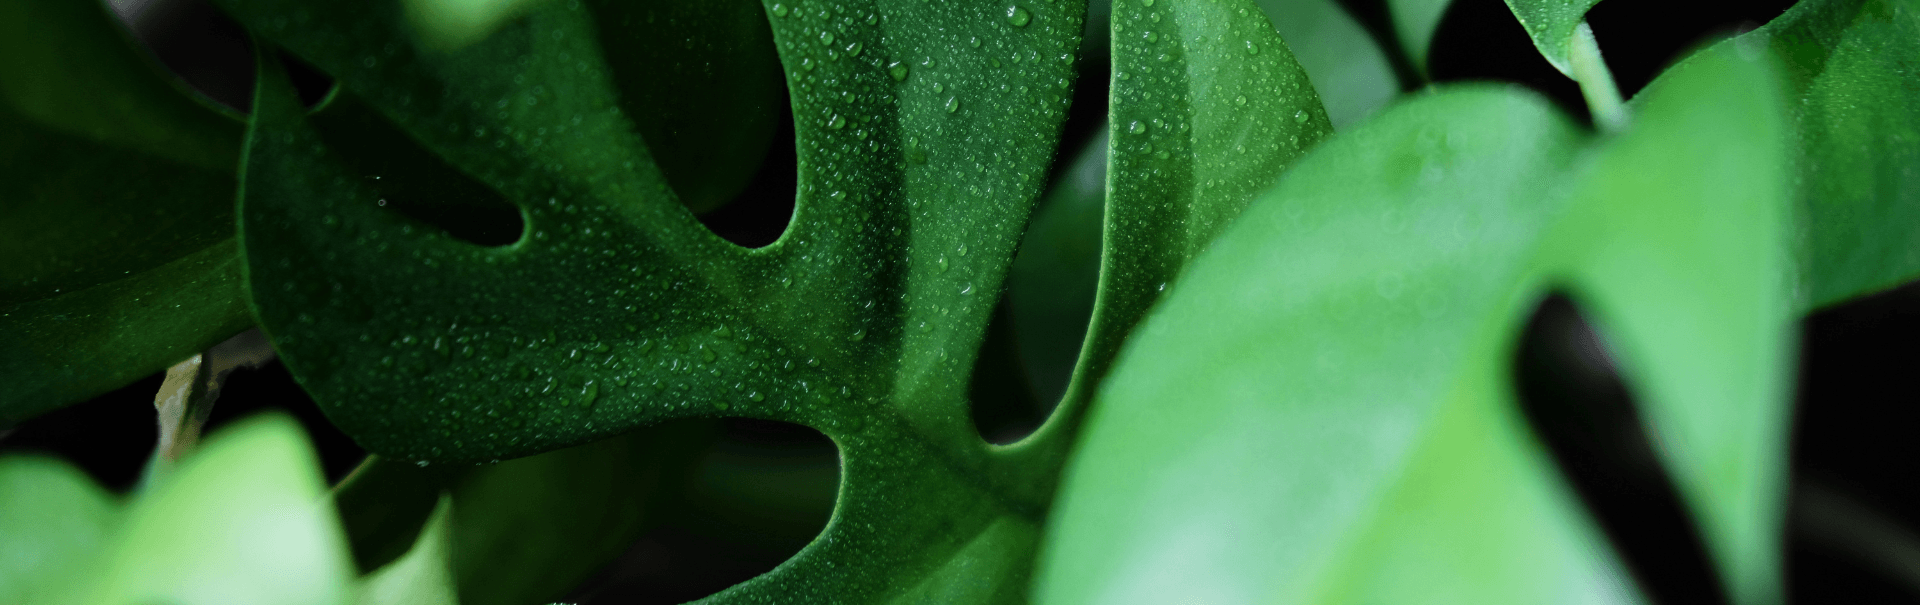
x,y
1854,82
116,257
1349,71
1207,108
1354,394
1550,23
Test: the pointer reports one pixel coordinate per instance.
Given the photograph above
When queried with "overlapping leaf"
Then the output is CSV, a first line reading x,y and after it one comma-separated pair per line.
x,y
116,216
1339,361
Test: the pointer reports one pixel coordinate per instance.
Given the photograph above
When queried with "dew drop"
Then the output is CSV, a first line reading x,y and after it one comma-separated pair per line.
x,y
826,38
853,50
1300,117
1146,2
1240,100
953,104
1252,49
897,69
1137,127
779,10
1152,37
963,249
836,122
858,335
1019,17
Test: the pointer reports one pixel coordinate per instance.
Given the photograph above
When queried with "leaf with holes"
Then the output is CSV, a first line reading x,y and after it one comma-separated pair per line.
x,y
918,164
1338,428
116,225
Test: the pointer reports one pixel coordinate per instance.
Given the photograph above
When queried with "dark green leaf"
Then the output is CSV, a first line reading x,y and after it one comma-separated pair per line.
x,y
1852,71
116,257
1415,21
1207,109
919,157
528,529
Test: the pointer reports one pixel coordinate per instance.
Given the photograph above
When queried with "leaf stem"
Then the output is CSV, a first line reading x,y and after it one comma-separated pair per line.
x,y
1596,82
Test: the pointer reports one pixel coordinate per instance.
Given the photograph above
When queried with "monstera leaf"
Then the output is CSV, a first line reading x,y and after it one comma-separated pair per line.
x,y
1319,412
918,161
116,211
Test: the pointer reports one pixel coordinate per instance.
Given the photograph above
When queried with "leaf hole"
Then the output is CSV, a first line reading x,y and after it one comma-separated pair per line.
x,y
1003,402
712,105
207,50
411,180
749,499
1586,417
1641,38
1481,40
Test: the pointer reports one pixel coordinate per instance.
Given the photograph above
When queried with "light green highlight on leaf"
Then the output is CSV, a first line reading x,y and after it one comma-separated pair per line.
x,y
53,520
424,576
1678,240
243,520
1349,71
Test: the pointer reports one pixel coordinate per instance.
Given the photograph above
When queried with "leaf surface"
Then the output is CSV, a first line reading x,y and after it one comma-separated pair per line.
x,y
424,576
242,520
116,257
1679,241
1853,77
1235,457
1349,71
1321,411
1550,23
53,520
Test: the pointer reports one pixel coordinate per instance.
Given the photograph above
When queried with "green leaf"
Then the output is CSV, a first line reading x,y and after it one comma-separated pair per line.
x,y
528,529
53,519
1551,23
1251,446
243,520
1850,70
915,184
1321,413
1055,276
1208,107
1414,22
1349,71
1678,241
116,257
424,576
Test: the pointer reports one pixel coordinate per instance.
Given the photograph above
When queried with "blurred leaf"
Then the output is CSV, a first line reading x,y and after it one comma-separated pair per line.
x,y
242,520
524,530
115,252
53,520
1349,71
1317,411
1415,21
1678,242
1346,433
424,576
1852,71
